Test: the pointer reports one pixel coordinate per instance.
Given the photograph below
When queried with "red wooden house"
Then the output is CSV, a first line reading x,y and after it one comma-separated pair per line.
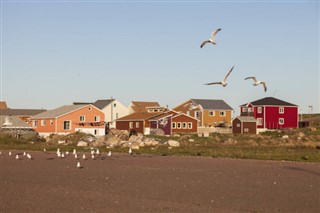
x,y
272,113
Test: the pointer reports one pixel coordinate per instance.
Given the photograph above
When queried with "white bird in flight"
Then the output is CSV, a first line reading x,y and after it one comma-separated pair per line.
x,y
256,82
224,82
212,40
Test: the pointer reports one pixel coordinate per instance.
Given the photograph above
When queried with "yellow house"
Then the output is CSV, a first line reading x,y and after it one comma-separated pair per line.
x,y
209,112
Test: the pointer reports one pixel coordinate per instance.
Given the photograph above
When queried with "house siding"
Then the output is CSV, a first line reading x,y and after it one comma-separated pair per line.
x,y
74,118
184,118
217,118
125,125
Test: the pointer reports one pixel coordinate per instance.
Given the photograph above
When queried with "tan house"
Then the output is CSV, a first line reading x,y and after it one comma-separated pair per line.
x,y
209,112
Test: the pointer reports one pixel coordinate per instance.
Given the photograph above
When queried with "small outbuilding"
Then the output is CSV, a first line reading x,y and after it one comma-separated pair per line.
x,y
244,124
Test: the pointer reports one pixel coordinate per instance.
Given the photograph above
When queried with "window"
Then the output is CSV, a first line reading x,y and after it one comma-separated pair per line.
x,y
281,121
250,109
184,125
222,113
246,130
281,110
43,122
238,125
259,109
173,125
189,125
130,125
89,108
137,124
97,118
197,114
188,113
66,125
51,122
117,115
96,131
114,105
259,121
82,118
244,109
211,113
179,125
35,124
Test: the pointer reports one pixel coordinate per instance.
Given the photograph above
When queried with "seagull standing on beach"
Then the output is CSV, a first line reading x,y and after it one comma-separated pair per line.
x,y
256,82
224,82
212,40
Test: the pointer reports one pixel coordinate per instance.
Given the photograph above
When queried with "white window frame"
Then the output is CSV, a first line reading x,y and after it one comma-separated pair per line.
x,y
174,125
64,124
245,109
281,121
259,110
51,122
35,124
137,124
197,114
184,125
222,113
246,130
281,110
259,121
43,122
82,118
178,125
212,113
189,125
130,124
238,125
97,118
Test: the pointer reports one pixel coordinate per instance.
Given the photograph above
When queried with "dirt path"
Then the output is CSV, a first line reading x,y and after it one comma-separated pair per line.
x,y
123,183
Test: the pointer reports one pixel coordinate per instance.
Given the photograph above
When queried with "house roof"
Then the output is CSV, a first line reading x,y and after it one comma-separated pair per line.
x,y
3,105
246,118
139,116
15,121
58,111
102,103
21,112
141,106
270,101
212,104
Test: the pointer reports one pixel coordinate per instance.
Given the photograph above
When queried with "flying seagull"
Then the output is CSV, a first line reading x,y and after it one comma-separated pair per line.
x,y
212,40
224,82
256,82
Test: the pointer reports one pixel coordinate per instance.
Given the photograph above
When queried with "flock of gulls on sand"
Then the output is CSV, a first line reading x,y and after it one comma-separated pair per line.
x,y
94,153
212,40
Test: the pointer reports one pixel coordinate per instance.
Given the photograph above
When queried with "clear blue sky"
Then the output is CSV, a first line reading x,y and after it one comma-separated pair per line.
x,y
56,52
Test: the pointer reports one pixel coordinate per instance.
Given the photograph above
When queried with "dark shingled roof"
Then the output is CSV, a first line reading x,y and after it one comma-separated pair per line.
x,y
102,103
212,104
270,101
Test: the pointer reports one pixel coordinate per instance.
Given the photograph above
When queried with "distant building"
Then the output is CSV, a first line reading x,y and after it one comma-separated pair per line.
x,y
272,113
3,105
209,112
70,119
244,124
144,106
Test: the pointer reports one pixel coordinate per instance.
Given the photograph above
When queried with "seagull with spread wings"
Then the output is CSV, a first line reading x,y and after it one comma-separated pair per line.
x,y
224,82
256,82
212,40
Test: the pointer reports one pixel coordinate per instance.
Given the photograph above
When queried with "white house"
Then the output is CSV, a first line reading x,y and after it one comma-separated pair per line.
x,y
113,109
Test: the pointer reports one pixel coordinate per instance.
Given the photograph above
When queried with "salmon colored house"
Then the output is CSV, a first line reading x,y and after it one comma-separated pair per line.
x,y
70,119
209,112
